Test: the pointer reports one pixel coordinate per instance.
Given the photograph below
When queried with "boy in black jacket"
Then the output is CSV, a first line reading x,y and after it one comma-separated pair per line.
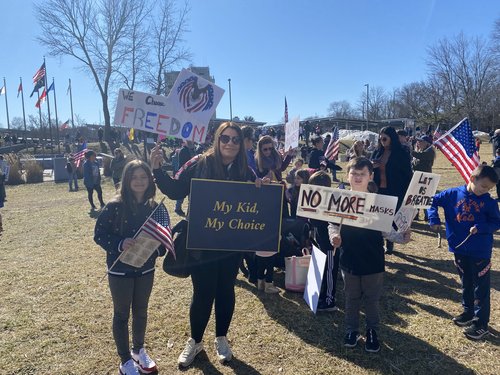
x,y
362,264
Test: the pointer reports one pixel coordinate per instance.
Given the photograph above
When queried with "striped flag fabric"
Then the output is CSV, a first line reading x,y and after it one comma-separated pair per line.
x,y
19,89
460,149
333,147
79,156
65,125
40,73
41,99
158,227
286,111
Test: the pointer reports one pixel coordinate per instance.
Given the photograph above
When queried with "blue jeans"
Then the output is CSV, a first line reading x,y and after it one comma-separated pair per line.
x,y
475,276
72,178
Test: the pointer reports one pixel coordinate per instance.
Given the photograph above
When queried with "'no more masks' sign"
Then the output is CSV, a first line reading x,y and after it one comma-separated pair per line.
x,y
184,114
353,208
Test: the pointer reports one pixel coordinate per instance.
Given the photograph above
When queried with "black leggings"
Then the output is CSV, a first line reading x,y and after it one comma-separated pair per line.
x,y
130,292
90,193
213,280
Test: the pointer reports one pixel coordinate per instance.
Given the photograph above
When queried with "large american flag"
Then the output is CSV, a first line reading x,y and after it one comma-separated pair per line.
x,y
40,73
333,147
459,148
158,227
79,156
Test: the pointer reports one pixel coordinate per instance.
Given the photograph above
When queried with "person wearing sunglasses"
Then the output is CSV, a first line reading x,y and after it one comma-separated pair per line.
x,y
268,160
213,273
392,168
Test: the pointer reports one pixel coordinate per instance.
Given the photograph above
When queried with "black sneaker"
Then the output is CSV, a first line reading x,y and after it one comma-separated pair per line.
x,y
464,319
372,345
324,306
476,331
351,339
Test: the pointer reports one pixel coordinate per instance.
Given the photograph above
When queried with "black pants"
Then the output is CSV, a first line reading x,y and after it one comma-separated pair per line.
x,y
213,280
90,193
265,268
329,283
130,292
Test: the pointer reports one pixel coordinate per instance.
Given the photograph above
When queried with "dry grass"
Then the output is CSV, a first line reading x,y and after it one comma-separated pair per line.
x,y
55,314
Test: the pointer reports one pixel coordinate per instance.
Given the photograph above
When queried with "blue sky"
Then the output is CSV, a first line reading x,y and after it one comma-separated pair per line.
x,y
314,52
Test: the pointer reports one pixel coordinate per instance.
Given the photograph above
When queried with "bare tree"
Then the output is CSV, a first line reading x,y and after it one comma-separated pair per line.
x,y
168,27
465,67
341,109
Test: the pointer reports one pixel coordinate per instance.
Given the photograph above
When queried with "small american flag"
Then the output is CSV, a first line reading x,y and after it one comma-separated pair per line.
x,y
333,147
40,73
79,156
286,111
158,227
459,148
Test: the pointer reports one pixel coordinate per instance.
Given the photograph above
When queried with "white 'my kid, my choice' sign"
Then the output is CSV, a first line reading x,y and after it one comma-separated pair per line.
x,y
353,208
184,113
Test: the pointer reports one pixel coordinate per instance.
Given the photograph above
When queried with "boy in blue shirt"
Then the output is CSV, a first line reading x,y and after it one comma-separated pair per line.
x,y
471,216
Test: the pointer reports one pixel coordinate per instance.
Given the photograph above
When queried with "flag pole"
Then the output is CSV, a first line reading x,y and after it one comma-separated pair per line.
x,y
42,131
71,103
6,104
24,113
57,122
135,235
48,108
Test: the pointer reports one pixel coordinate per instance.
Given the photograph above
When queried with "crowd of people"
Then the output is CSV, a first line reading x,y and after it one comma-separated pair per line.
x,y
357,253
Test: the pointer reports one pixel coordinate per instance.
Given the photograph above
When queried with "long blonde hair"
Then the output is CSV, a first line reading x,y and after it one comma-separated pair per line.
x,y
259,156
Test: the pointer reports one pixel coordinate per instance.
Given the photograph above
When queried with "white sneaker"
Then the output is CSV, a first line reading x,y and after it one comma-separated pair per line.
x,y
144,362
223,350
129,368
270,288
189,353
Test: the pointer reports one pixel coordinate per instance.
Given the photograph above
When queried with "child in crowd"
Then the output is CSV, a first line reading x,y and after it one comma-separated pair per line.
x,y
319,230
362,263
130,286
292,193
471,216
72,175
290,177
92,178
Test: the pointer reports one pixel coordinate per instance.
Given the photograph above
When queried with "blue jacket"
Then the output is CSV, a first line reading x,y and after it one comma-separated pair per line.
x,y
463,210
89,180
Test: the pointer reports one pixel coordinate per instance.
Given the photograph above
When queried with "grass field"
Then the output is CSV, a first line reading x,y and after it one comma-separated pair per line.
x,y
55,313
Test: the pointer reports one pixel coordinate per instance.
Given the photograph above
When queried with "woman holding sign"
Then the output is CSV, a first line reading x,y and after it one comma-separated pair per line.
x,y
213,273
391,168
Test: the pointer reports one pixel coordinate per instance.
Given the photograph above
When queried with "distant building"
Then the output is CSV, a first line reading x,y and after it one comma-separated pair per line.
x,y
202,71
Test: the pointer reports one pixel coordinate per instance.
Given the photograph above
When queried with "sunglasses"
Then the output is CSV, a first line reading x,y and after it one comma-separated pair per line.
x,y
226,138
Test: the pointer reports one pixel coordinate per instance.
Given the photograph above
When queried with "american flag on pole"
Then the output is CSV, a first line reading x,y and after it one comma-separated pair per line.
x,y
286,111
40,73
333,147
158,227
79,156
460,149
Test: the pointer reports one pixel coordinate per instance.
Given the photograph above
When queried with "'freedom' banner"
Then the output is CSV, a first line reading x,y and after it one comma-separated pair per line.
x,y
234,216
353,208
184,114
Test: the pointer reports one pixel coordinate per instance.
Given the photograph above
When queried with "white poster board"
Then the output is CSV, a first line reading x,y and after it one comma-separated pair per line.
x,y
184,114
292,133
314,278
353,208
422,188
